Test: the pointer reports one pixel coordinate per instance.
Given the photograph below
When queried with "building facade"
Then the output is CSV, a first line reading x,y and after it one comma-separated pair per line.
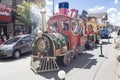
x,y
100,17
6,24
7,2
12,25
17,2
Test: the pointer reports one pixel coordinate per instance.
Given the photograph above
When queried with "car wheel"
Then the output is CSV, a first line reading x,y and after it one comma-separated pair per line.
x,y
16,54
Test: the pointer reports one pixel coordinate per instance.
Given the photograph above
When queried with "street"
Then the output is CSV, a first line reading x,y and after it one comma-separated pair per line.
x,y
88,66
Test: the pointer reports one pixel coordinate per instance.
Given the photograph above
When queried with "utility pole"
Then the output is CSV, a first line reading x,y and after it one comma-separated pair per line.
x,y
53,7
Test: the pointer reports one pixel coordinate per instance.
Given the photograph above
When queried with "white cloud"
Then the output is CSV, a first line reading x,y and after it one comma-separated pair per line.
x,y
49,2
111,10
116,1
96,9
113,16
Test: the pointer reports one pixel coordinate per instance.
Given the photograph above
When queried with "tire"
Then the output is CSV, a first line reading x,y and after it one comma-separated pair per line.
x,y
67,59
76,51
97,41
16,54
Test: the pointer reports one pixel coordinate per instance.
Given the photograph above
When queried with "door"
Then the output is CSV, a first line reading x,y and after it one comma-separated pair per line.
x,y
25,44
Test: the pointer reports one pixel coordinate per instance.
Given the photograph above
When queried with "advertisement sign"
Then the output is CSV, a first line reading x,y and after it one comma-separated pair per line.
x,y
5,13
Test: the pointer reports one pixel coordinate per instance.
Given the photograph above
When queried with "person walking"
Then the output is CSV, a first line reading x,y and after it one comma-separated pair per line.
x,y
1,40
118,32
11,35
4,38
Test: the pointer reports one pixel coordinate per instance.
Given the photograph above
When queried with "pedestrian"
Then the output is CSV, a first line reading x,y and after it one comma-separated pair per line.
x,y
25,32
1,40
21,33
118,32
78,28
4,38
11,35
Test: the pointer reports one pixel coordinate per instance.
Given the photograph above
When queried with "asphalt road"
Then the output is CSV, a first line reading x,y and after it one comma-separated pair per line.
x,y
88,66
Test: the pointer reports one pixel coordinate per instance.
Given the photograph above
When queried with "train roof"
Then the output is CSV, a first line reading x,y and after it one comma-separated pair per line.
x,y
61,16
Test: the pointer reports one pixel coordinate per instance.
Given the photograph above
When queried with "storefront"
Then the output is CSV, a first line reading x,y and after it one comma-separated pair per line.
x,y
21,27
6,25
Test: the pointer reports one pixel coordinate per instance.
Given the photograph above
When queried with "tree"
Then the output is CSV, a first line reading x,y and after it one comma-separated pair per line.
x,y
23,11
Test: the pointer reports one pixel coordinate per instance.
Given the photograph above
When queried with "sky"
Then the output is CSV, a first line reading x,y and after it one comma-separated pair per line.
x,y
111,7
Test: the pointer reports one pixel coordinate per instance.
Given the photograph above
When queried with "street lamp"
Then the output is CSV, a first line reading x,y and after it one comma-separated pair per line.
x,y
108,37
62,74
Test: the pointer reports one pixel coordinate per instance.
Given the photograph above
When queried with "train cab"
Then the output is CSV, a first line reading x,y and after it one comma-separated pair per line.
x,y
72,28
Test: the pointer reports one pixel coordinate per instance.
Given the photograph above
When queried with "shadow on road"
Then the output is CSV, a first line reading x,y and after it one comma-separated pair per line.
x,y
83,61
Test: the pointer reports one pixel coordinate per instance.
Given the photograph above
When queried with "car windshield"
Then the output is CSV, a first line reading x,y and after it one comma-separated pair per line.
x,y
13,40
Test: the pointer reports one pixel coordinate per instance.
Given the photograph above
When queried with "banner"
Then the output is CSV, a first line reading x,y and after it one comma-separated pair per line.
x,y
5,13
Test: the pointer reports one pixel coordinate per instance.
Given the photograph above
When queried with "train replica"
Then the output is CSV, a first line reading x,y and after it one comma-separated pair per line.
x,y
64,39
92,32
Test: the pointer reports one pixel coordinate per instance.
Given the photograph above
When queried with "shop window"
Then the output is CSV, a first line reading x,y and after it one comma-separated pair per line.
x,y
21,29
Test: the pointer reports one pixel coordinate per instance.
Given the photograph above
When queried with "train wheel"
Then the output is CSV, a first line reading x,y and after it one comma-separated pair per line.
x,y
67,59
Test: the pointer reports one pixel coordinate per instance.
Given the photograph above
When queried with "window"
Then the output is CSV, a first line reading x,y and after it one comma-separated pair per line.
x,y
53,26
77,27
27,39
13,40
24,40
73,22
64,24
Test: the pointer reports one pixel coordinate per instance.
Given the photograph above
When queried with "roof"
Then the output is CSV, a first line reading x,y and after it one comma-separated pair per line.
x,y
59,16
99,15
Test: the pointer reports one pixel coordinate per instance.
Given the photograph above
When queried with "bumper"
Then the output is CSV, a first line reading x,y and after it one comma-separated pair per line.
x,y
4,54
104,36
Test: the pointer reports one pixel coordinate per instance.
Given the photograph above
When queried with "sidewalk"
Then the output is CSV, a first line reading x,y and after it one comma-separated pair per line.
x,y
118,62
110,68
105,68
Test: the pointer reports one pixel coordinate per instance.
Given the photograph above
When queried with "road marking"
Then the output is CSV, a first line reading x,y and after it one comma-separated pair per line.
x,y
87,63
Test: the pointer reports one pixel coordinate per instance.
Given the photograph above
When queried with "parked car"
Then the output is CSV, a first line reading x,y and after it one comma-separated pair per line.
x,y
104,33
16,46
110,30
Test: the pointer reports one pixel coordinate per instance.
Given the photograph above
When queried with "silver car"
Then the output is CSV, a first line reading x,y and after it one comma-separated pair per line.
x,y
16,46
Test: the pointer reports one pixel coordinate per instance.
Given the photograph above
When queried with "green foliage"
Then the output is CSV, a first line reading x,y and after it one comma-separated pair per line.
x,y
23,12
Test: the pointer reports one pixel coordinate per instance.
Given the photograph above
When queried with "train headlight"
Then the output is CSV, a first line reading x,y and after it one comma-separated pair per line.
x,y
62,74
39,34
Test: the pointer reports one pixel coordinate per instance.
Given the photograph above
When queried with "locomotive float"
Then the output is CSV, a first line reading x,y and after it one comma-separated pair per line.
x,y
63,40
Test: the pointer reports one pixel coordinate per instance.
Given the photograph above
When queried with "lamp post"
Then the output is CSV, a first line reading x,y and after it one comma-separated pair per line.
x,y
62,74
108,37
101,55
